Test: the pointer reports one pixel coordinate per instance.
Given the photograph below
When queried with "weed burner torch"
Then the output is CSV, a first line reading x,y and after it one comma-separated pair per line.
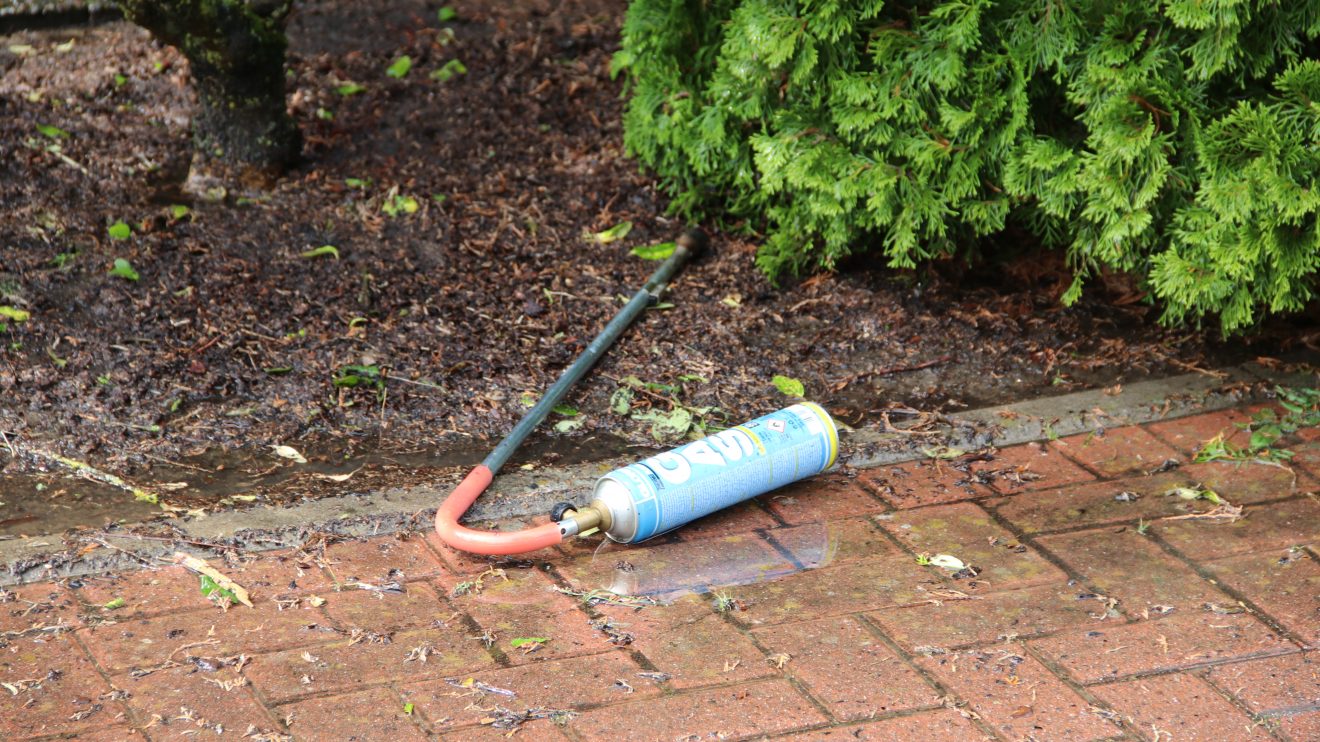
x,y
667,490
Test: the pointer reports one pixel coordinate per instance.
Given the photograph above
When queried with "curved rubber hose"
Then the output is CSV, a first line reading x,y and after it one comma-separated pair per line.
x,y
486,542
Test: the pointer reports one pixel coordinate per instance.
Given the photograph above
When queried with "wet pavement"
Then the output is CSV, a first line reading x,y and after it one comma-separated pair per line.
x,y
1052,591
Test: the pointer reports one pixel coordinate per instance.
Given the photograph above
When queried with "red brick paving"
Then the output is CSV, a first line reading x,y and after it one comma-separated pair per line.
x,y
1188,434
805,614
1270,527
1030,467
1177,642
834,542
1017,695
945,725
1181,706
1116,452
967,531
42,604
1111,502
1133,569
370,714
1284,692
923,483
418,605
572,684
1283,584
188,698
767,707
691,642
827,498
849,671
282,676
54,683
989,617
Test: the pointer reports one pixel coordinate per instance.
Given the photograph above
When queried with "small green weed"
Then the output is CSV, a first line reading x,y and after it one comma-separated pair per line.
x,y
400,67
123,269
396,204
354,376
451,69
1301,410
724,603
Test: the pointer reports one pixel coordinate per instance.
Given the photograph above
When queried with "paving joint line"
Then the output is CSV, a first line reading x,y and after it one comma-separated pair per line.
x,y
1073,575
801,687
1257,720
1194,666
1251,607
1096,526
958,702
127,713
1079,688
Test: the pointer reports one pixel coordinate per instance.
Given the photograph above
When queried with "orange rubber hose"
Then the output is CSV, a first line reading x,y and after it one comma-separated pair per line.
x,y
486,542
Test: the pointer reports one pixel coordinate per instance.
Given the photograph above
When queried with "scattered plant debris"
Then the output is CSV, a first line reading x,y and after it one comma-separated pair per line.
x,y
616,635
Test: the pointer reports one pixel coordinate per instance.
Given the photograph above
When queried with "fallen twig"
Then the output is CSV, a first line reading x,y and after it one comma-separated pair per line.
x,y
200,566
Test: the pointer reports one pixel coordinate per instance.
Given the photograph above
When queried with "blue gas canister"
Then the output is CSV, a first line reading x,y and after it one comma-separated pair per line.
x,y
667,490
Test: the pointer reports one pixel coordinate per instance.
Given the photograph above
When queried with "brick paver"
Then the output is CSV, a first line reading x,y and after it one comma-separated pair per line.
x,y
377,713
690,642
1116,452
1285,585
1283,692
1177,642
1030,467
968,532
924,483
766,707
846,668
1269,527
1018,696
1092,610
1180,706
986,618
946,725
55,690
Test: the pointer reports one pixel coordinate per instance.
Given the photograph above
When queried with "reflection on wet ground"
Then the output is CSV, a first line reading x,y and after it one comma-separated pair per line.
x,y
665,569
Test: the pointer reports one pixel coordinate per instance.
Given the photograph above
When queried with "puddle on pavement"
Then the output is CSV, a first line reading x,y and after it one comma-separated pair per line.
x,y
668,570
46,502
39,504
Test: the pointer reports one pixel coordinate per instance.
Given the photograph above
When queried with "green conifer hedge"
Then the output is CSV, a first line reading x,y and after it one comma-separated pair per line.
x,y
1177,139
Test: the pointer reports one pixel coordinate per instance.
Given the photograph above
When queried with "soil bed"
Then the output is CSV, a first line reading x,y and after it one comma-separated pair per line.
x,y
469,304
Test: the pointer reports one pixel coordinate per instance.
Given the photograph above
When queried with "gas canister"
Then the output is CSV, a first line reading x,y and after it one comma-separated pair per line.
x,y
665,491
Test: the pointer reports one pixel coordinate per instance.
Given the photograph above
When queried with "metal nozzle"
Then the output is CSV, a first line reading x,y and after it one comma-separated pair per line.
x,y
585,519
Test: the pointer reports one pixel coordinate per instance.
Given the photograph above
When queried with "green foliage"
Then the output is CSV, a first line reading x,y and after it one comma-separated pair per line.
x,y
123,269
451,69
211,589
1172,139
635,399
317,252
400,67
1301,409
119,231
654,252
788,386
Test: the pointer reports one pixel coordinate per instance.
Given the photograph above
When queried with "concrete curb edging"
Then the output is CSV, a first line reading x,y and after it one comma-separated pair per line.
x,y
519,494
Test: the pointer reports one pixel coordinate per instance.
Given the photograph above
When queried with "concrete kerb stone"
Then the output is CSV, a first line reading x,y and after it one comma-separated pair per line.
x,y
521,494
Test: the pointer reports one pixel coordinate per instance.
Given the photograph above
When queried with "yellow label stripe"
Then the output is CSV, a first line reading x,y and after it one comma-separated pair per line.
x,y
829,426
755,438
